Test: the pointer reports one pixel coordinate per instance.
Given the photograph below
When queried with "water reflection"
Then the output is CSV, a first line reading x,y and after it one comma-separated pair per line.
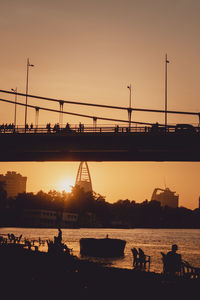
x,y
152,241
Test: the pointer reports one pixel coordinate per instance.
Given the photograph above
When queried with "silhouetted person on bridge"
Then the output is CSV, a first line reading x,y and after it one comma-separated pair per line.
x,y
48,127
117,128
155,127
81,127
67,127
56,127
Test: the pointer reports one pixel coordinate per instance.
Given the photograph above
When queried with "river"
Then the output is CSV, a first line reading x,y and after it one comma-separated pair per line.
x,y
152,242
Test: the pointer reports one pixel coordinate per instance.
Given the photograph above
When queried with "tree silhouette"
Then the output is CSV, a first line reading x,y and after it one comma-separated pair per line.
x,y
94,210
3,195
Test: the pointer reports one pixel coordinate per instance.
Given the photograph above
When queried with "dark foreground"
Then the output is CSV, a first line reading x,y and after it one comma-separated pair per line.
x,y
37,275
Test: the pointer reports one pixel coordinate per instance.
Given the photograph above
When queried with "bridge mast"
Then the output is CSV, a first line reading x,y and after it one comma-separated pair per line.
x,y
83,178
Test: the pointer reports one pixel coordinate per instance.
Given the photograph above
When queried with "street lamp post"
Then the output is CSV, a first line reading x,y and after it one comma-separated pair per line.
x,y
15,115
36,118
166,62
129,109
61,113
27,73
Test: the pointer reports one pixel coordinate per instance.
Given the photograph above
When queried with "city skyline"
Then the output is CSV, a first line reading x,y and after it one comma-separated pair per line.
x,y
91,52
66,177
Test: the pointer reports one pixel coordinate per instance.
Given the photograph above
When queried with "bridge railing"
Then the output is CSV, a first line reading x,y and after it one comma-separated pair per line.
x,y
75,129
8,129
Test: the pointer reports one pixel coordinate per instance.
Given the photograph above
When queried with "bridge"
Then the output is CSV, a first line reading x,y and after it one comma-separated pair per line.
x,y
99,144
132,142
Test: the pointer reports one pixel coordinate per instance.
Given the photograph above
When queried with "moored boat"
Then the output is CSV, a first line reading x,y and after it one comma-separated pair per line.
x,y
105,247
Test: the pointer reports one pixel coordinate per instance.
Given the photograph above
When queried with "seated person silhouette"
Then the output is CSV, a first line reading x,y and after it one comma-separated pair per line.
x,y
173,261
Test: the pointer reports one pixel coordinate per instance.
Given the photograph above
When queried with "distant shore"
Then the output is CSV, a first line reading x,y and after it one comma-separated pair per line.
x,y
101,227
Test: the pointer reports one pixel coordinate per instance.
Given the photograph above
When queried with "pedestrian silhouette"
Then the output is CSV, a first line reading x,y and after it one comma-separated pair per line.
x,y
67,127
59,236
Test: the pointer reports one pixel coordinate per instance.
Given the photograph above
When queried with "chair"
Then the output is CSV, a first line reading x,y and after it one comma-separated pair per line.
x,y
135,257
172,265
189,271
164,262
141,260
146,262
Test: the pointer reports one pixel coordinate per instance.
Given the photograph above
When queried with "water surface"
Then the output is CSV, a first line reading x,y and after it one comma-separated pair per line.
x,y
152,241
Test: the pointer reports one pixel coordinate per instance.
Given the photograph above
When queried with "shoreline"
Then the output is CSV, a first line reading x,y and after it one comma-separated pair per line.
x,y
66,274
152,243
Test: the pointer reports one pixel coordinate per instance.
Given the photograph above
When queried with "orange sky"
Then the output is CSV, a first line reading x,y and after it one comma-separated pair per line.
x,y
90,51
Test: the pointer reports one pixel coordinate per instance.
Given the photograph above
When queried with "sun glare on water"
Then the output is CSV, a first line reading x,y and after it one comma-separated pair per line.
x,y
65,185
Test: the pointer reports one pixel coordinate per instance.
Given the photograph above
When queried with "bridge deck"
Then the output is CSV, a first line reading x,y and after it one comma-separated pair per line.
x,y
99,144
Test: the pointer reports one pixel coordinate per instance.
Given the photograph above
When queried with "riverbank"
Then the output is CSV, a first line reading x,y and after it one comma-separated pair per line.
x,y
39,274
152,242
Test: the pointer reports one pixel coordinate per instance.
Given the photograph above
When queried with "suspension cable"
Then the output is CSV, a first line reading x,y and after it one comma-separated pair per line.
x,y
102,105
73,114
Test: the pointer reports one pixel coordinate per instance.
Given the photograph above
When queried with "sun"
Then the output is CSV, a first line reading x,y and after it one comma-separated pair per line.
x,y
65,185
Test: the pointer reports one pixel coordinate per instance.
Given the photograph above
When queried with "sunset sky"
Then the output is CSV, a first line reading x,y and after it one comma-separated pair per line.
x,y
90,50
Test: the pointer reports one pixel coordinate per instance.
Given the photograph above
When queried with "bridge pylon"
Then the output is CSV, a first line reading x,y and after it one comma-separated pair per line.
x,y
83,178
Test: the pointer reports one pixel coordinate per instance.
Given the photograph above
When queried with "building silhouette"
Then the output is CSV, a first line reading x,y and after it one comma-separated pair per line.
x,y
15,183
48,218
165,197
83,178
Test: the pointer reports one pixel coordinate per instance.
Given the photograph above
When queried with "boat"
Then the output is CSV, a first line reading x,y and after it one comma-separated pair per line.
x,y
104,247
